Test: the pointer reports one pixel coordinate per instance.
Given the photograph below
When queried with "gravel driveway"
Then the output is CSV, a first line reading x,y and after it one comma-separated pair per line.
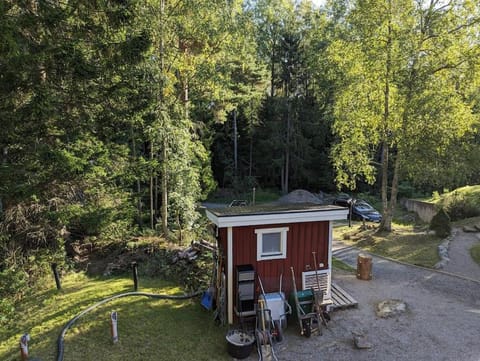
x,y
459,254
442,321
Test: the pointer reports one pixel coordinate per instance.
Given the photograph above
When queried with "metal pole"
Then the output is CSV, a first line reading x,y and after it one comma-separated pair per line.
x,y
57,277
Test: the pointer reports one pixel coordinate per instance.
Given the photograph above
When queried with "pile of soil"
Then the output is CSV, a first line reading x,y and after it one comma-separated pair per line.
x,y
303,196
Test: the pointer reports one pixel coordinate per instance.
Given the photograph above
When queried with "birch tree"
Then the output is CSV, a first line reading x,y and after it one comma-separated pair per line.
x,y
399,104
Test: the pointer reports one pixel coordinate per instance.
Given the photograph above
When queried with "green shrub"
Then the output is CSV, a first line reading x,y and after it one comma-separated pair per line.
x,y
193,275
441,224
459,206
105,214
461,203
22,272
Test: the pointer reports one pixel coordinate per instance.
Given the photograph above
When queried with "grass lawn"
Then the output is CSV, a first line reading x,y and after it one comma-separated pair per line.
x,y
149,329
405,243
475,252
340,265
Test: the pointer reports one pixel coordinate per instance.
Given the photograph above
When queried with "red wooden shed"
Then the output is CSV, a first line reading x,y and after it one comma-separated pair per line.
x,y
268,241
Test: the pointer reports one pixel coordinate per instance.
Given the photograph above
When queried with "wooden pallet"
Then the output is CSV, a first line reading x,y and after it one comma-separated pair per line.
x,y
341,298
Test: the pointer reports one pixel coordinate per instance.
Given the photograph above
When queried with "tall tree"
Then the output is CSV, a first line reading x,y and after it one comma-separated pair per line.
x,y
401,57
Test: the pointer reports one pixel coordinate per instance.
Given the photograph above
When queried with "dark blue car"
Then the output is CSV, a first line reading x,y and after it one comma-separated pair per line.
x,y
360,209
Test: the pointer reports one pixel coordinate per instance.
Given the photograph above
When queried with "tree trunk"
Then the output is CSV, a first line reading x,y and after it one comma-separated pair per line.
x,y
272,72
4,163
235,155
155,198
250,157
164,210
386,224
282,177
139,190
394,191
287,148
152,209
164,175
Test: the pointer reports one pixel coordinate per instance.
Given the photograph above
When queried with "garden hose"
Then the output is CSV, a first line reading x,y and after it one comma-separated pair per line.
x,y
60,341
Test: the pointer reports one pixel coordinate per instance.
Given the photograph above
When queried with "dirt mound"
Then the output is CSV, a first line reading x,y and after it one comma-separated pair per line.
x,y
300,196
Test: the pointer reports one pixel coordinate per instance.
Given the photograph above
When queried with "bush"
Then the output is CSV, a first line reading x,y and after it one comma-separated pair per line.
x,y
462,203
13,287
459,207
193,275
441,224
21,275
23,270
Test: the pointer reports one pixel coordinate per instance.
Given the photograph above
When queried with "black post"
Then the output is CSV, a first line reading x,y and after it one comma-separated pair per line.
x,y
135,276
57,277
350,206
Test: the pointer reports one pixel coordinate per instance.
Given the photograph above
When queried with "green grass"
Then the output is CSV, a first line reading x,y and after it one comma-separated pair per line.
x,y
461,203
472,221
405,243
339,265
475,252
472,193
149,329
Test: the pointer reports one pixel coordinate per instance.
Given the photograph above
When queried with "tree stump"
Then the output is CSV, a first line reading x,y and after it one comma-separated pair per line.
x,y
364,267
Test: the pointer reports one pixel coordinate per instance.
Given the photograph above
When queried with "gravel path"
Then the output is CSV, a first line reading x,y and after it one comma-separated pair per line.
x,y
442,320
461,262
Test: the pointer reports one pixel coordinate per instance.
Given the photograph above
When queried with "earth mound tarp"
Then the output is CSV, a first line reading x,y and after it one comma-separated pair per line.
x,y
300,196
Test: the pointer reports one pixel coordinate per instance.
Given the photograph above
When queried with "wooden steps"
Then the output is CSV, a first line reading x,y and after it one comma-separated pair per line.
x,y
341,298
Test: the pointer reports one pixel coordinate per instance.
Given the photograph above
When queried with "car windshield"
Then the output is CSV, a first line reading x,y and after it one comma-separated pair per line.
x,y
362,206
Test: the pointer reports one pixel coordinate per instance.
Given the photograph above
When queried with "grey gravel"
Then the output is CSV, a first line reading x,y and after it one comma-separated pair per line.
x,y
460,261
441,322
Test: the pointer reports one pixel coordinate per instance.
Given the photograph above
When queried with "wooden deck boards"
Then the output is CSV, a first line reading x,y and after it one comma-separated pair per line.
x,y
341,298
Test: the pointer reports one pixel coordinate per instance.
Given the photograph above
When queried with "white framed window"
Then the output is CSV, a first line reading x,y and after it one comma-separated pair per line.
x,y
271,243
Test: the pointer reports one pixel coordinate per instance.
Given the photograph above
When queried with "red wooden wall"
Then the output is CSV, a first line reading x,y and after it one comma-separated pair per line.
x,y
302,240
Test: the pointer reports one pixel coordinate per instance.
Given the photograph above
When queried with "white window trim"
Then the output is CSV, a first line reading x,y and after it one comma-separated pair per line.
x,y
283,243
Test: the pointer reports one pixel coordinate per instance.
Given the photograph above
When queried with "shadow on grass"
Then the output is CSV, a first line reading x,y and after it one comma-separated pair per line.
x,y
413,248
44,315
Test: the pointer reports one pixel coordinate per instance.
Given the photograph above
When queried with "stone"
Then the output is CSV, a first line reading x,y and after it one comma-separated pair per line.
x,y
390,308
469,229
360,340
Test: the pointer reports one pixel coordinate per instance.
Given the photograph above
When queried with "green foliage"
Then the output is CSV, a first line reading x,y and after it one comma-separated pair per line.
x,y
461,203
105,213
192,276
119,114
22,271
407,190
396,98
440,223
13,286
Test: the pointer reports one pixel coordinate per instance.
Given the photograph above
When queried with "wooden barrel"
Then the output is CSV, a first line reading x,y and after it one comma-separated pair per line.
x,y
364,267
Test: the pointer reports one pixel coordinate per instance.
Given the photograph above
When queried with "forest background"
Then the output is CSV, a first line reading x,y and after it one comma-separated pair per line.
x,y
119,116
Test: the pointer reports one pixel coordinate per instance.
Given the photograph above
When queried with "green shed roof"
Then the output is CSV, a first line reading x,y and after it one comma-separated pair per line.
x,y
275,214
